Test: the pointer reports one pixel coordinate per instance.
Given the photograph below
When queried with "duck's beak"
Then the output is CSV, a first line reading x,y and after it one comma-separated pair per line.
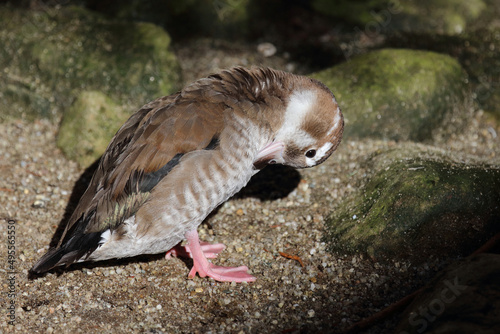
x,y
270,154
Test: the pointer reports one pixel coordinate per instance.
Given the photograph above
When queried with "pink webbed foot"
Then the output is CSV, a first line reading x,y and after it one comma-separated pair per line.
x,y
199,252
222,274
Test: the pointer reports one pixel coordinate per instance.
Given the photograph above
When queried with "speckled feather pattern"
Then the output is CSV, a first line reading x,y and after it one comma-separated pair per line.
x,y
211,177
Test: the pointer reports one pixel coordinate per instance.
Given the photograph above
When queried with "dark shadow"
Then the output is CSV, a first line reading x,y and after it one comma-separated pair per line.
x,y
79,188
271,183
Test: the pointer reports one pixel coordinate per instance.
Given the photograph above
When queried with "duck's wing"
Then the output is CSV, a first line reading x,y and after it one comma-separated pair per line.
x,y
145,149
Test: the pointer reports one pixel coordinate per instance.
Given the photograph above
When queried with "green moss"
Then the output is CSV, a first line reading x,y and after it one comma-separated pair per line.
x,y
442,16
88,126
217,18
477,52
355,11
396,94
55,54
416,205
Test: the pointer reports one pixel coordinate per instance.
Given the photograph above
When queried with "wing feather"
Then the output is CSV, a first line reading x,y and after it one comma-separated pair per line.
x,y
145,149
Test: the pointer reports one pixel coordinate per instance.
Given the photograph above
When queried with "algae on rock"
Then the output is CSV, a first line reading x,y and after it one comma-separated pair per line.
x,y
418,203
88,126
434,16
49,57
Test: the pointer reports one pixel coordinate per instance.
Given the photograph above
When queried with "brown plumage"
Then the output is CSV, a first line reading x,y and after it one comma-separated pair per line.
x,y
180,156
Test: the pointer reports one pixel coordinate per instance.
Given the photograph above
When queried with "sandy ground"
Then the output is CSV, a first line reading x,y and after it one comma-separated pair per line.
x,y
282,210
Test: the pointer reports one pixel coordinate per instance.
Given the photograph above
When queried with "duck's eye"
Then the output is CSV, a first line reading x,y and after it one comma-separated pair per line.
x,y
311,153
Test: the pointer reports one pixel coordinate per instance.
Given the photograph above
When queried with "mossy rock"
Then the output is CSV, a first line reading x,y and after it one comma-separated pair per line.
x,y
397,94
376,16
418,203
478,53
88,126
49,57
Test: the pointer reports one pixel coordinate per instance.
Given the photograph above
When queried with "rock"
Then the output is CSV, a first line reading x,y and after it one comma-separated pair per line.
x,y
417,203
464,298
396,94
447,17
478,53
88,126
48,57
266,49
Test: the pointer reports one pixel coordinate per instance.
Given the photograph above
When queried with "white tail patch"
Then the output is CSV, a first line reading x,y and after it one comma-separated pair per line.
x,y
105,236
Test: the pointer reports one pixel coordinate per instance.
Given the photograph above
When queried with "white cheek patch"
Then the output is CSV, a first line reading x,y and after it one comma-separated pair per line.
x,y
298,106
320,153
303,139
310,162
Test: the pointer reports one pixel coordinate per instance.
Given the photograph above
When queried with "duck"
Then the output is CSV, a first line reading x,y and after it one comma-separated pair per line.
x,y
180,156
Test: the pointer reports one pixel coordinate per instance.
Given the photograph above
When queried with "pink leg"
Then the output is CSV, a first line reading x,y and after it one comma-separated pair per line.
x,y
195,250
210,251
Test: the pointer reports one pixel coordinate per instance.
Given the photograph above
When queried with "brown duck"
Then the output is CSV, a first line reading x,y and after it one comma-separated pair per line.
x,y
180,156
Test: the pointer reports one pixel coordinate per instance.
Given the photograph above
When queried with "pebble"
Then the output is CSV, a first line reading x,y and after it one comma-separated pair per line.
x,y
267,49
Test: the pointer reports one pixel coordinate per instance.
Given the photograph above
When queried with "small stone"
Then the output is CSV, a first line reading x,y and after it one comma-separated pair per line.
x,y
198,290
38,204
311,313
266,49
